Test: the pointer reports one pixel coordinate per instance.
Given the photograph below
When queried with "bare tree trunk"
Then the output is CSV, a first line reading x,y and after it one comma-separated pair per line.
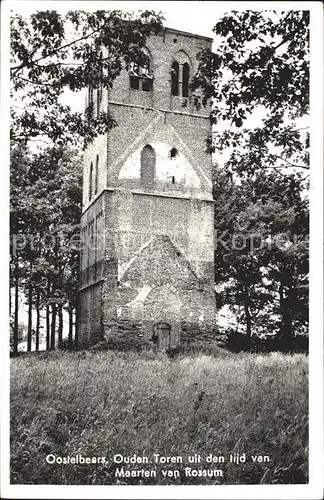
x,y
70,339
60,326
16,325
30,315
37,319
76,328
286,314
48,331
53,325
248,317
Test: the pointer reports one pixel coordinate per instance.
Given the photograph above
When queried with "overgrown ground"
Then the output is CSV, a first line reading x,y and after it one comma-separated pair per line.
x,y
105,403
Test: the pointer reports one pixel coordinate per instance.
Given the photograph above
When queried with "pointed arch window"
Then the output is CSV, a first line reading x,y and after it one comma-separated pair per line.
x,y
96,175
175,78
90,180
90,108
140,74
185,79
99,88
148,160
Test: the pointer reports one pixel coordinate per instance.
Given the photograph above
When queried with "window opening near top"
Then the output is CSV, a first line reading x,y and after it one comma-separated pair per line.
x,y
175,78
90,180
185,79
96,175
140,75
89,110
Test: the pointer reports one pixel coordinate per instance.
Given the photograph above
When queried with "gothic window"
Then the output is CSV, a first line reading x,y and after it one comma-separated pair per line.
x,y
90,180
148,158
185,79
96,175
140,75
99,98
99,88
89,110
175,78
180,75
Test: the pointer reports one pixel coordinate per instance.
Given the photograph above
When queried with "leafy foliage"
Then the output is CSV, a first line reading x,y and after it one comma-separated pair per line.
x,y
261,252
45,210
258,81
51,53
261,63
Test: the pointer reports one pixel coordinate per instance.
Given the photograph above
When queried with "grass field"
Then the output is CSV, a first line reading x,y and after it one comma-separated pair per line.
x,y
107,403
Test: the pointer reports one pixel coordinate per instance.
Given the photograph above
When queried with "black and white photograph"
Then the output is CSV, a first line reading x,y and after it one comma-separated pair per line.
x,y
162,164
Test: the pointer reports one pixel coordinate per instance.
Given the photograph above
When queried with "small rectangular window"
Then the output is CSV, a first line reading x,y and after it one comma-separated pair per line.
x,y
147,84
134,82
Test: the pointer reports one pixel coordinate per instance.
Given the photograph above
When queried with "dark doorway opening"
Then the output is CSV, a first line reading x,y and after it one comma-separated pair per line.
x,y
161,336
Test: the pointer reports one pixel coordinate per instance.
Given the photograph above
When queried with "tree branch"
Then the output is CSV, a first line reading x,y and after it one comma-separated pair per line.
x,y
34,83
15,69
292,164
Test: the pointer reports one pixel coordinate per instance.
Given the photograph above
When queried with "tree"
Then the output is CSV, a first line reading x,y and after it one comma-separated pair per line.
x,y
239,271
261,63
51,53
20,164
261,252
45,213
258,82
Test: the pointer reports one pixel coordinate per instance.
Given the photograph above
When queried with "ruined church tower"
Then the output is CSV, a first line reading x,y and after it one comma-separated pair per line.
x,y
147,223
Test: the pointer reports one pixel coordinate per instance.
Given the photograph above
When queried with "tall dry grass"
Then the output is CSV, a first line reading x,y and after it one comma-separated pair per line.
x,y
104,403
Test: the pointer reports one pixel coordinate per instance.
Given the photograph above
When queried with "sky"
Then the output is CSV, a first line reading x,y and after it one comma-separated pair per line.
x,y
197,17
194,16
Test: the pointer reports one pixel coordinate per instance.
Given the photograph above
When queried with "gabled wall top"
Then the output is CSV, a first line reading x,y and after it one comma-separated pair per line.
x,y
186,33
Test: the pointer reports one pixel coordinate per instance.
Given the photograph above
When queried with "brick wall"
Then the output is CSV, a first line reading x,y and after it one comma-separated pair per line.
x,y
149,250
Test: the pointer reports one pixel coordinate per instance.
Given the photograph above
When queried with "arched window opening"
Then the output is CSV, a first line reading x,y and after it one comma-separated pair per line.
x,y
185,79
96,175
173,179
90,180
99,88
90,108
175,78
148,159
173,153
140,74
99,94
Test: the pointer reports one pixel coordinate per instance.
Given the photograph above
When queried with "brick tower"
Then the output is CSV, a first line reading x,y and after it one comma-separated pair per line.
x,y
147,265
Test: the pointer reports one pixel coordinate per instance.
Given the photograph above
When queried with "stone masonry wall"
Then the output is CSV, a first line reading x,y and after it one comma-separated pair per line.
x,y
148,255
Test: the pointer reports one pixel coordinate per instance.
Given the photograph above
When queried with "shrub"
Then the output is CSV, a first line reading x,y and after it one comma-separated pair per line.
x,y
237,342
209,348
125,341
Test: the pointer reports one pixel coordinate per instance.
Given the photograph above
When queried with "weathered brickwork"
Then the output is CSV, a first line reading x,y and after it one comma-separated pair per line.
x,y
147,254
